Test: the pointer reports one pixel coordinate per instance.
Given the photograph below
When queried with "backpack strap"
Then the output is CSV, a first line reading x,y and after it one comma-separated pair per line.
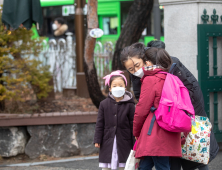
x,y
151,125
172,68
152,109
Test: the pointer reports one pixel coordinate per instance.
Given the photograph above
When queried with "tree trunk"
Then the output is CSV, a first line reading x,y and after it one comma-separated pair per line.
x,y
134,25
89,66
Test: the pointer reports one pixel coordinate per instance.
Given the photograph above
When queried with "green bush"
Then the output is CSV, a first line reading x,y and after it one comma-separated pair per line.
x,y
20,74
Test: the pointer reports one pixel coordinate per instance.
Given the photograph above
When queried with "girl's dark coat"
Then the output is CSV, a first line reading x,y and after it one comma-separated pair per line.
x,y
115,118
197,99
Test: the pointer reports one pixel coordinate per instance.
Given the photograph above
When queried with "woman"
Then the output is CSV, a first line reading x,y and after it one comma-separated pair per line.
x,y
189,81
154,149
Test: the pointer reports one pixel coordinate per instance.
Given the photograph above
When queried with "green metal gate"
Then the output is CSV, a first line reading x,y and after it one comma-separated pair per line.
x,y
209,79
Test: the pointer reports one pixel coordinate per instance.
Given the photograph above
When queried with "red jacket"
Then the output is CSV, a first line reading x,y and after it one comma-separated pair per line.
x,y
160,142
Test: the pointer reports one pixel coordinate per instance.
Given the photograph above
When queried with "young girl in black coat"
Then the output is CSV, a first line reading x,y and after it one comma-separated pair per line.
x,y
113,133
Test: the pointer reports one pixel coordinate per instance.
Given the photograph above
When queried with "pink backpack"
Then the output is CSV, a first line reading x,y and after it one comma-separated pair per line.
x,y
175,108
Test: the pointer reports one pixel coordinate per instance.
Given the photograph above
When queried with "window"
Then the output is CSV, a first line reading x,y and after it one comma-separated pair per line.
x,y
110,25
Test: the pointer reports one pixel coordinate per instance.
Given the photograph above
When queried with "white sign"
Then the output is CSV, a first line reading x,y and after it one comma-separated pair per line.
x,y
85,9
144,32
67,10
96,33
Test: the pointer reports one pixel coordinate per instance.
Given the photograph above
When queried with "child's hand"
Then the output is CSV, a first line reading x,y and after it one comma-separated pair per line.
x,y
97,145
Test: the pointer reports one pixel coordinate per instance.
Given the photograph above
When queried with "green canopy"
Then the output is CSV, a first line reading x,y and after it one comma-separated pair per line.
x,y
26,12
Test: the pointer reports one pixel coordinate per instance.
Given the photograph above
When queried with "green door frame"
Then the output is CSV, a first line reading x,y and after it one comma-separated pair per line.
x,y
209,84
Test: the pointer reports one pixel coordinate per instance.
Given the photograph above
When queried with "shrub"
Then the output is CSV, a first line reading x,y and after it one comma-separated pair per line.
x,y
21,71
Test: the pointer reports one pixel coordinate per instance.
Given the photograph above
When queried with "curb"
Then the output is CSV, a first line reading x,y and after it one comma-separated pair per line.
x,y
50,162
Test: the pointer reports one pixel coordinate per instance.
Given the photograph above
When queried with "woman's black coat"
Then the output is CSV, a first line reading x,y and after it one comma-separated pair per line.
x,y
197,99
115,118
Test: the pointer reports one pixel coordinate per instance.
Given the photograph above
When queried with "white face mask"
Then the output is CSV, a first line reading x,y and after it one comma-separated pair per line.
x,y
118,91
54,26
139,73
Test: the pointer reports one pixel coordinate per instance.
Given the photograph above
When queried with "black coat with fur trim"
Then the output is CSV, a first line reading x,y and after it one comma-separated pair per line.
x,y
115,119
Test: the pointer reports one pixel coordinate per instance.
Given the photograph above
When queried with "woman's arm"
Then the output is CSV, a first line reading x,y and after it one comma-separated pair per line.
x,y
146,101
99,126
131,117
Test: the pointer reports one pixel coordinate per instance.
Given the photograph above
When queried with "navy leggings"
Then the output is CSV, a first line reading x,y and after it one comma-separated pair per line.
x,y
160,163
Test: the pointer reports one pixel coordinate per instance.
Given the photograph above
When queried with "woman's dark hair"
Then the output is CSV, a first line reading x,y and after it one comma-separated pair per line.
x,y
114,77
158,56
157,44
135,50
60,21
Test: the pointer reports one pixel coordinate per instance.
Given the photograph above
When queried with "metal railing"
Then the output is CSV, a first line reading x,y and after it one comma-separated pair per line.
x,y
103,60
60,55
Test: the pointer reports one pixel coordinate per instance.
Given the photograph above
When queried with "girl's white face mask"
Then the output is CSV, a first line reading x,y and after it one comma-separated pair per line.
x,y
118,91
54,26
139,73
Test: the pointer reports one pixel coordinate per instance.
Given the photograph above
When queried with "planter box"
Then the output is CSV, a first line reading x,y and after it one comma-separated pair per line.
x,y
47,118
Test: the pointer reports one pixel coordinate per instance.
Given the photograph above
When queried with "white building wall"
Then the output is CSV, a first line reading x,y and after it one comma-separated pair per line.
x,y
180,24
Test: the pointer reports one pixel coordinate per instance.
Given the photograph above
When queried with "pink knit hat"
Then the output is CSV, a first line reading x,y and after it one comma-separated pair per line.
x,y
114,73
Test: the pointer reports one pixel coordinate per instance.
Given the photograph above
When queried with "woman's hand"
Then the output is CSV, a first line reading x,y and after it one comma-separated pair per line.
x,y
136,138
97,145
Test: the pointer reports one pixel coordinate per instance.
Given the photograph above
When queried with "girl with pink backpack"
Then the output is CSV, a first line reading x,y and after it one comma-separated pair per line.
x,y
156,148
